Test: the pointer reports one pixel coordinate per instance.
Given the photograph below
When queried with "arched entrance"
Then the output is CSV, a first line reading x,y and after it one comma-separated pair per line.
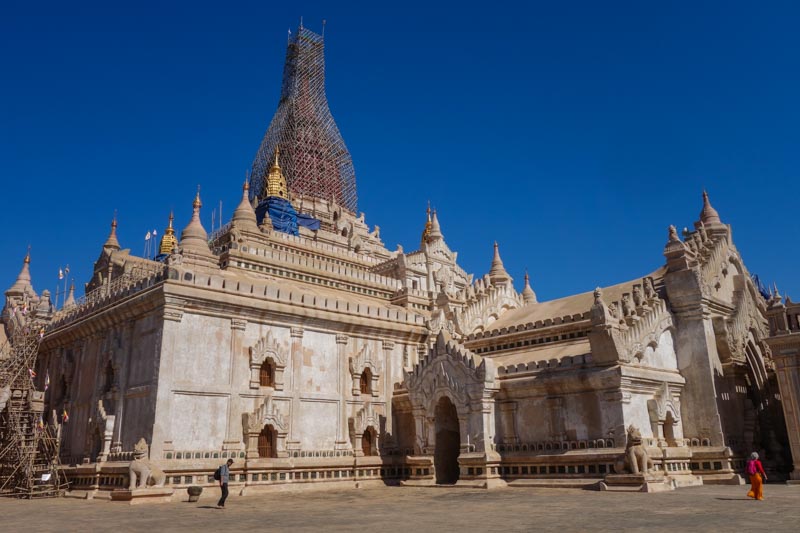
x,y
266,442
448,442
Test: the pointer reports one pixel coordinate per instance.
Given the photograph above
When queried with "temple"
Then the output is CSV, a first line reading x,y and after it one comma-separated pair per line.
x,y
293,341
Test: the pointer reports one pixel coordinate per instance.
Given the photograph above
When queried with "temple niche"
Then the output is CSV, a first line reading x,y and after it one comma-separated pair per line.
x,y
293,341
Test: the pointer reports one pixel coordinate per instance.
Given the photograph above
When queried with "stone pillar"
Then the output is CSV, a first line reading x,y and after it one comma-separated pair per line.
x,y
420,431
293,442
696,349
786,354
388,348
342,430
233,437
251,429
464,432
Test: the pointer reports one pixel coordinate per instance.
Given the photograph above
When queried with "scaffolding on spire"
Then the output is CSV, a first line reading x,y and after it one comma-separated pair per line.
x,y
313,154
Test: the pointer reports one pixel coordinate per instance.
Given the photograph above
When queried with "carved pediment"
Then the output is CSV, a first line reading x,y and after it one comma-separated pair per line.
x,y
365,358
451,367
268,346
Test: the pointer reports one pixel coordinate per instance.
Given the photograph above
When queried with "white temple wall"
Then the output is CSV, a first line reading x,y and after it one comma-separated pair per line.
x,y
636,413
663,355
583,415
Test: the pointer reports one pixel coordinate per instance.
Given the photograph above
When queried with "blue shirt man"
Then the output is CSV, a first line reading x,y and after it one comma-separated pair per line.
x,y
224,476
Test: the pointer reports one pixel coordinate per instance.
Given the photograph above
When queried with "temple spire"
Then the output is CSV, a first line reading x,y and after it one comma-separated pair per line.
x,y
709,215
23,283
112,241
276,181
498,272
426,233
194,238
528,296
244,216
436,230
168,240
314,157
70,301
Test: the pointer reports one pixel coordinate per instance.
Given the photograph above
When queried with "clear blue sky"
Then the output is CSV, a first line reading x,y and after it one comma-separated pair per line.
x,y
573,133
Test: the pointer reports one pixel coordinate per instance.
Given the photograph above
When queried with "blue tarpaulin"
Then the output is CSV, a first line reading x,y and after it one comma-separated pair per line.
x,y
284,218
307,221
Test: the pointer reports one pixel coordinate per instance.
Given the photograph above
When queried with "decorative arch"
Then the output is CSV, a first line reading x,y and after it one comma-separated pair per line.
x,y
253,424
467,380
365,422
267,350
363,361
665,418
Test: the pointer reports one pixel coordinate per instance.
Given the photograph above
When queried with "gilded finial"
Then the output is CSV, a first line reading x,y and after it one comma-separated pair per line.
x,y
276,181
28,256
168,239
426,232
197,204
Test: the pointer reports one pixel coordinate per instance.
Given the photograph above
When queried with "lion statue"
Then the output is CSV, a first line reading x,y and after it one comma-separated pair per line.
x,y
142,469
635,459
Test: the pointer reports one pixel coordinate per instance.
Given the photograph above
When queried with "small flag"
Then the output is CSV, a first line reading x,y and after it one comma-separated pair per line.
x,y
65,416
32,373
46,381
147,236
154,233
40,423
60,274
66,270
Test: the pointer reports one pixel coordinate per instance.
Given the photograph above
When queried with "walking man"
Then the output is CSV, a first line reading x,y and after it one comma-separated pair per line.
x,y
224,475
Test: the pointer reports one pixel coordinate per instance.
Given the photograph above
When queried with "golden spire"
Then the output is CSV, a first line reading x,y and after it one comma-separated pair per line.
x,y
276,182
426,233
197,204
168,240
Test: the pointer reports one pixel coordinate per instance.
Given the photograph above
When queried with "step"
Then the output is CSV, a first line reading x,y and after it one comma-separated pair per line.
x,y
555,483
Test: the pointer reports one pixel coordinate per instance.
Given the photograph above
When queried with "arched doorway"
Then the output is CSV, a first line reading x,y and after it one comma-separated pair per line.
x,y
368,441
266,442
448,442
669,430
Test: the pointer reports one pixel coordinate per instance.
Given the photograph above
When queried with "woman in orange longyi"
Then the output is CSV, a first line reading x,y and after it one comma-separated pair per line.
x,y
756,473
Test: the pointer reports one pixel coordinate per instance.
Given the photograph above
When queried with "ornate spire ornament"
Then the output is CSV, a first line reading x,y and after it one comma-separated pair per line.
x,y
436,230
528,296
276,181
70,301
498,272
244,215
112,242
194,238
168,240
426,233
23,283
709,215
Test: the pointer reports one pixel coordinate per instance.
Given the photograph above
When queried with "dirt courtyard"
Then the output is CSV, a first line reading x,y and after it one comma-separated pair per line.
x,y
706,508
